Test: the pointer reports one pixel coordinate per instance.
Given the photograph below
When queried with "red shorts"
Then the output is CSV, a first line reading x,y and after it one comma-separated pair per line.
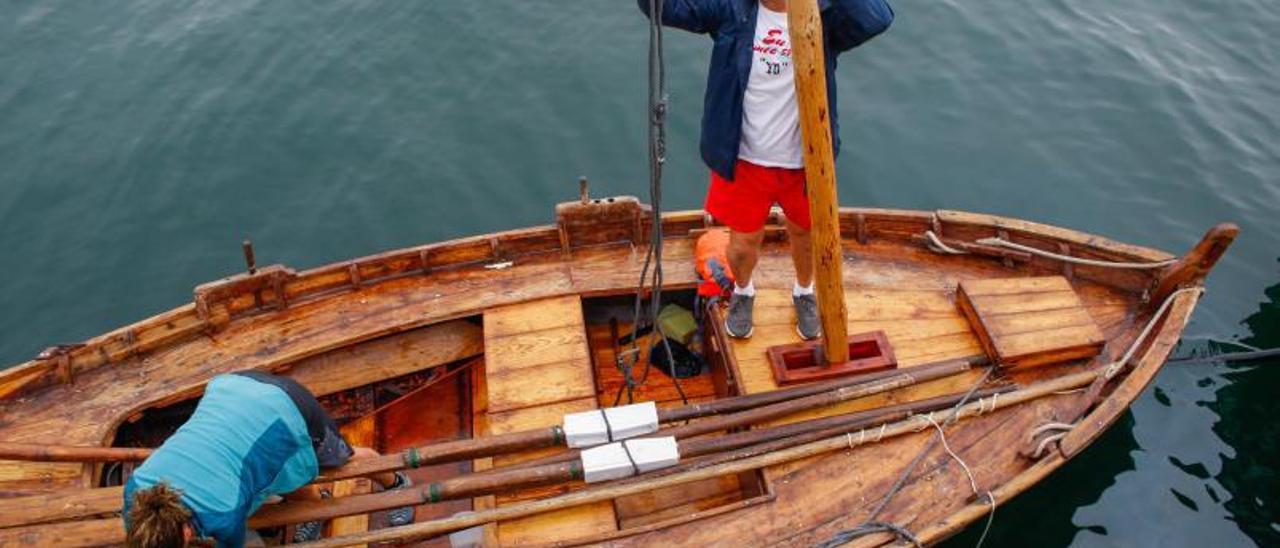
x,y
743,204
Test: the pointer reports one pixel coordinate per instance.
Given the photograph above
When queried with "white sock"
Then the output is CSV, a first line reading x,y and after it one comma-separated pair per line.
x,y
797,291
749,290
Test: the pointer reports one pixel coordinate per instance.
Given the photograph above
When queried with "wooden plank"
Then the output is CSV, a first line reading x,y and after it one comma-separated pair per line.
x,y
1023,344
362,432
550,313
51,473
639,509
533,349
71,534
1013,324
1029,321
505,422
1009,304
388,357
1011,286
480,428
60,505
534,386
530,364
537,368
569,523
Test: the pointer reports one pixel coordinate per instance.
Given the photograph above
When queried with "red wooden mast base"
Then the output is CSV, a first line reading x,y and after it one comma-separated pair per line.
x,y
805,361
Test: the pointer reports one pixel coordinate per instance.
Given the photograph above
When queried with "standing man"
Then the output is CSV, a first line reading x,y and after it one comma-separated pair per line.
x,y
751,129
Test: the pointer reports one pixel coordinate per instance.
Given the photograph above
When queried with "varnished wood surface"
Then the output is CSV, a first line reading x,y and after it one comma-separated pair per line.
x,y
891,282
538,368
1029,321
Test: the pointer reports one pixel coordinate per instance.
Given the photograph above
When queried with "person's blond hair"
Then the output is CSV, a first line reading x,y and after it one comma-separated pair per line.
x,y
157,518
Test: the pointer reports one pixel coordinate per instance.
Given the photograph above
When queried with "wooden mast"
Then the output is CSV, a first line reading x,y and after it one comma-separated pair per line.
x,y
805,26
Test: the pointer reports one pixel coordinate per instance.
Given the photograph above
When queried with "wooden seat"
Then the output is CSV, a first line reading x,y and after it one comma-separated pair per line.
x,y
537,368
1029,321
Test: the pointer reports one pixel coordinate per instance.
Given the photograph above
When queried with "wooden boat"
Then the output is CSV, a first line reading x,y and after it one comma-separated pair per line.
x,y
483,337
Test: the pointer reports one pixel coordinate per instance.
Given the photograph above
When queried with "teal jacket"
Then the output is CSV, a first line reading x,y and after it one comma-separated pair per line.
x,y
245,442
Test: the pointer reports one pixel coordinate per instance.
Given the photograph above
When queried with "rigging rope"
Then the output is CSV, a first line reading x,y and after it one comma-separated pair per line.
x,y
657,114
871,525
936,244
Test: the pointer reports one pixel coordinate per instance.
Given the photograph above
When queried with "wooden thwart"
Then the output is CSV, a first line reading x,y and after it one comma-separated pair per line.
x,y
1029,321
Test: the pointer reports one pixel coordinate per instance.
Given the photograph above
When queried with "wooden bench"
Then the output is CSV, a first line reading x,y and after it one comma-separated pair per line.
x,y
537,368
1029,321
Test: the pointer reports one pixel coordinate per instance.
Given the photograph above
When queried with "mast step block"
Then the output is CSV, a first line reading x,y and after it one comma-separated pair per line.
x,y
805,361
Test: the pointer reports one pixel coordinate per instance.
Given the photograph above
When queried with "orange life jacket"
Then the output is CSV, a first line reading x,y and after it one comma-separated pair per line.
x,y
711,252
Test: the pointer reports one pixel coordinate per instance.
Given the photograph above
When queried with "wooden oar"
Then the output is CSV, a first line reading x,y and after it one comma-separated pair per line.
x,y
646,483
753,409
891,380
507,480
36,452
848,389
453,451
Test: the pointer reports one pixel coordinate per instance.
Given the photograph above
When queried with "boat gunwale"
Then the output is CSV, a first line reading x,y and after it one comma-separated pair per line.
x,y
173,327
1096,422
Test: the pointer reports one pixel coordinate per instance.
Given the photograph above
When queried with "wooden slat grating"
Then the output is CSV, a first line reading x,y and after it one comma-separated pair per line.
x,y
537,369
1029,321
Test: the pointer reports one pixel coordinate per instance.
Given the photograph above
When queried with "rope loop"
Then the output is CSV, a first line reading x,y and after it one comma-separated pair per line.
x,y
938,246
998,242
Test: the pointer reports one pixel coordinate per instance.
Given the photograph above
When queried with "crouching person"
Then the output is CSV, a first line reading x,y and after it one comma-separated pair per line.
x,y
252,436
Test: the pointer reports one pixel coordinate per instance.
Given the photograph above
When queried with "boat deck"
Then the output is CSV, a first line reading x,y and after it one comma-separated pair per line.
x,y
525,318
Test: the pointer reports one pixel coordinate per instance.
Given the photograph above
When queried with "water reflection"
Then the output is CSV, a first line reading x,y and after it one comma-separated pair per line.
x,y
1249,409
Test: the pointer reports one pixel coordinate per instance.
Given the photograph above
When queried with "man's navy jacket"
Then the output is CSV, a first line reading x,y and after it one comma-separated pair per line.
x,y
731,25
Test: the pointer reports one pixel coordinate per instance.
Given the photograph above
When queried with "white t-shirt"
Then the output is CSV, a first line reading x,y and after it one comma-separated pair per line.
x,y
770,115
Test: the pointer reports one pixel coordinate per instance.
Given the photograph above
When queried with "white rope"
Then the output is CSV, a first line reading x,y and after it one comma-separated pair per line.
x,y
1051,426
973,483
936,244
1113,368
1044,444
1108,372
997,242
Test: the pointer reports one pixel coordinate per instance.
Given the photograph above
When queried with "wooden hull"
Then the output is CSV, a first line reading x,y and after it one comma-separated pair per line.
x,y
521,309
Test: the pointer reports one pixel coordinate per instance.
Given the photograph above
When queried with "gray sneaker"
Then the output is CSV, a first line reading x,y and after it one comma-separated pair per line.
x,y
738,322
404,515
807,324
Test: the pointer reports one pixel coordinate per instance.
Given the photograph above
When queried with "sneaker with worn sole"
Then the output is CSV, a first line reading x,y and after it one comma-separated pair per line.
x,y
807,324
310,531
738,322
403,515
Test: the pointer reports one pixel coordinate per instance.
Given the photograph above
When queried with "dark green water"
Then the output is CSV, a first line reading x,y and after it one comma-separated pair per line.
x,y
141,140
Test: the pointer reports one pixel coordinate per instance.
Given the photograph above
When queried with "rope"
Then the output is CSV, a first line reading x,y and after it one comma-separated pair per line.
x,y
1112,369
973,483
868,528
997,242
871,525
1108,372
936,244
657,114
